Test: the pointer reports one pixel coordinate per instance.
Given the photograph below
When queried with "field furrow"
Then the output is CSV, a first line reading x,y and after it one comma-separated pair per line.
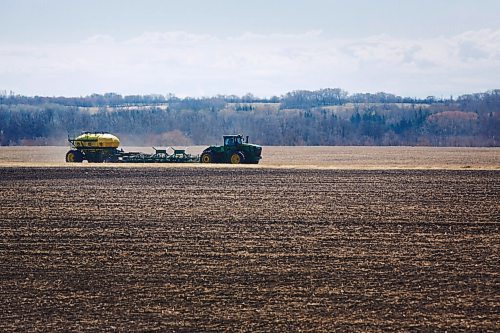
x,y
216,249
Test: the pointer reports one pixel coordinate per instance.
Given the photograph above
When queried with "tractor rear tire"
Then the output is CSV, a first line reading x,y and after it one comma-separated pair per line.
x,y
74,156
237,158
206,158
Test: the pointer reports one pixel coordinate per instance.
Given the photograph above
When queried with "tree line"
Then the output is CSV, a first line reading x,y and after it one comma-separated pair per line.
x,y
321,117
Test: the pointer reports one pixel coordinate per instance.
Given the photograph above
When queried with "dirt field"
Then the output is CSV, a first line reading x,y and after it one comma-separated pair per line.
x,y
306,157
249,249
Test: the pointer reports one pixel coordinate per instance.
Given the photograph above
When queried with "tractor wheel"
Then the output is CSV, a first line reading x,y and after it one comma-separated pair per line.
x,y
206,158
237,158
74,156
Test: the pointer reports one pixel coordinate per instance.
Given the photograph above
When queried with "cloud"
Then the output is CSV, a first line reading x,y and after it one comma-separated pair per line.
x,y
201,64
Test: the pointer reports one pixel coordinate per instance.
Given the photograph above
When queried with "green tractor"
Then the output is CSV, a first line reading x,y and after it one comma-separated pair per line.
x,y
234,151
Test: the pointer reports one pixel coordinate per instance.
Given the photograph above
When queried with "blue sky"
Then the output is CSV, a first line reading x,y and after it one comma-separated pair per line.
x,y
201,48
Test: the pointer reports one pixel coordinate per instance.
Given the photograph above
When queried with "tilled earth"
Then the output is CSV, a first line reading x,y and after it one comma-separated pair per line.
x,y
239,249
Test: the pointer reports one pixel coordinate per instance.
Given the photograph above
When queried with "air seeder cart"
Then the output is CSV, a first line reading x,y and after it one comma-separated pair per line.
x,y
98,147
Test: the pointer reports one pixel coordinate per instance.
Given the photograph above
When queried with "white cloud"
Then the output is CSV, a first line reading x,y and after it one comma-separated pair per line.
x,y
201,64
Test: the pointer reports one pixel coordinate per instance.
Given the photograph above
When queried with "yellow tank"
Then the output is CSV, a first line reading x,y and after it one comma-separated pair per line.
x,y
96,140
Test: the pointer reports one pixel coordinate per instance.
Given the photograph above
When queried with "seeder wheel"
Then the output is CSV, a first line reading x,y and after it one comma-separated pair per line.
x,y
74,156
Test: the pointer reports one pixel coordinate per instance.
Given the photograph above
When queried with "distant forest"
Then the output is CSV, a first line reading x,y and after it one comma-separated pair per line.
x,y
322,117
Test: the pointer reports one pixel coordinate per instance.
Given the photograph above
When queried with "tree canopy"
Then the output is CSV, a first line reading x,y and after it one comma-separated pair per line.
x,y
321,117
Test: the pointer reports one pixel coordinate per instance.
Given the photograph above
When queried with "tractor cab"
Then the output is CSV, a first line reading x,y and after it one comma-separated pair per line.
x,y
233,140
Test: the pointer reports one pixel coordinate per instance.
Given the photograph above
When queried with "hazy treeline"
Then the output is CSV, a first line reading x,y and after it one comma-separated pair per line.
x,y
322,117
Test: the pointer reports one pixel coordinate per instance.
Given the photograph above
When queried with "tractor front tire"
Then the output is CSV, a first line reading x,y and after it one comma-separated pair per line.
x,y
206,158
74,156
237,158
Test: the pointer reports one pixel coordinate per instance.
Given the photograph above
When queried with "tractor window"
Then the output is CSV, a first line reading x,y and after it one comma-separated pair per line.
x,y
238,141
229,141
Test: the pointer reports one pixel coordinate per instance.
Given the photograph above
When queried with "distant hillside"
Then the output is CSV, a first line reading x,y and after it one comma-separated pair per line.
x,y
322,117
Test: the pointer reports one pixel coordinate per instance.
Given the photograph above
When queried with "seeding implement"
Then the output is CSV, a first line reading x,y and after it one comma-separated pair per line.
x,y
98,147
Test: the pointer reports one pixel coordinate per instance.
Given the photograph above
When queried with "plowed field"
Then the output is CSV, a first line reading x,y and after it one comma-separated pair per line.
x,y
302,157
248,249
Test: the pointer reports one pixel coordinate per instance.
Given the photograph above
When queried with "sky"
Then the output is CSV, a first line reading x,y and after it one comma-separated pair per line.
x,y
200,48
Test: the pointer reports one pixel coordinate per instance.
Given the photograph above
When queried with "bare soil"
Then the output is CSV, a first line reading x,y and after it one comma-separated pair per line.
x,y
381,158
248,249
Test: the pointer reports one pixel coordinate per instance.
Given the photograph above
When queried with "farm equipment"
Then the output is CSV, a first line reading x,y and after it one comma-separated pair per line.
x,y
160,156
98,147
234,151
95,147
